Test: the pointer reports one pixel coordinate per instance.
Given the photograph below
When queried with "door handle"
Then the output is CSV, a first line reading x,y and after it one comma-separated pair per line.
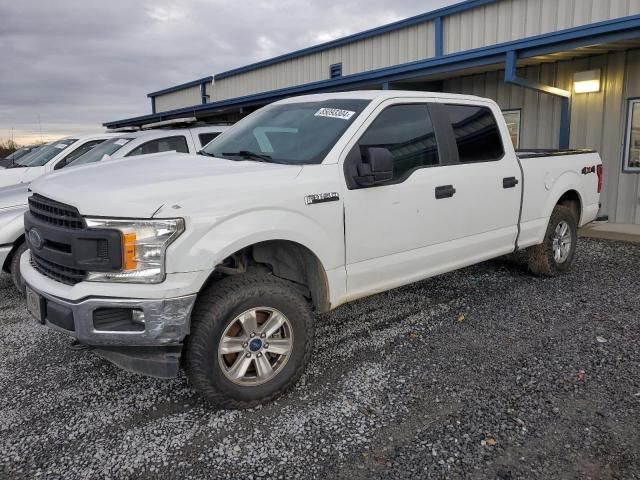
x,y
509,182
445,191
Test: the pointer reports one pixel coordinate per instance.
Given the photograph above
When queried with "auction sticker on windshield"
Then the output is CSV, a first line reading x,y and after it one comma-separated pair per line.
x,y
335,113
121,141
61,146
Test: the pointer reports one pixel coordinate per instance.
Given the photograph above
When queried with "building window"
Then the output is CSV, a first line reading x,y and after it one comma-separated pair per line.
x,y
632,140
512,117
335,70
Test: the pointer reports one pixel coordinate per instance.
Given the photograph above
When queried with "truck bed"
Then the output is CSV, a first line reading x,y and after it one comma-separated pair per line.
x,y
550,152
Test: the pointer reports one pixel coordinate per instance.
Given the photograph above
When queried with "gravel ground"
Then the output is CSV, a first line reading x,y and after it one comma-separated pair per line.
x,y
487,372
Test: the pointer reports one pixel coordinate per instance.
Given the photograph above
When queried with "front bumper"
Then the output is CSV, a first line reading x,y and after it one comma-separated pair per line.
x,y
166,321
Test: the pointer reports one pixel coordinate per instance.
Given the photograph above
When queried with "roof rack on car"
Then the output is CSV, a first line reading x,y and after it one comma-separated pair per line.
x,y
123,129
169,123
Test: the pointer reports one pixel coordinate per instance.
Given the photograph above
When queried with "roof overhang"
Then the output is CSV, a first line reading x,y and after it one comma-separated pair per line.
x,y
601,37
182,86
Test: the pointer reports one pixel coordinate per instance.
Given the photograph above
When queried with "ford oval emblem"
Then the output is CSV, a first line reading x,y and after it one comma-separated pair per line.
x,y
35,239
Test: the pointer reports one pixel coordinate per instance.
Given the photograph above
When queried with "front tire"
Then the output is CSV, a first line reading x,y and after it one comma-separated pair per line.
x,y
251,337
555,254
16,276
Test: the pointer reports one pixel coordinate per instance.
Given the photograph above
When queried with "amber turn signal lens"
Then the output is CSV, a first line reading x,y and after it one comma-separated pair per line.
x,y
129,251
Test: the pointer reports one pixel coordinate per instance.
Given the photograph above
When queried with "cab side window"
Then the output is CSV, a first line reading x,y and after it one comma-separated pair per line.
x,y
408,133
81,150
476,132
166,144
207,137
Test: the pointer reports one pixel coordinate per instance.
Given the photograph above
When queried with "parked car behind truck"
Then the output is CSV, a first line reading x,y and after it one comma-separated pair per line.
x,y
216,264
51,157
13,199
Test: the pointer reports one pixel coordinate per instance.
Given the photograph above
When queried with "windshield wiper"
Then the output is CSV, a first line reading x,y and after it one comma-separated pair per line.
x,y
247,154
202,152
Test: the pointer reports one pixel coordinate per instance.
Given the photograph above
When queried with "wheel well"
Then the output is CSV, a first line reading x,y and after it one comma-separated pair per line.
x,y
284,259
572,200
16,245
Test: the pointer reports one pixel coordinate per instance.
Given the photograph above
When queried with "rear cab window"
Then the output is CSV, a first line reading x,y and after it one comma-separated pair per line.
x,y
476,133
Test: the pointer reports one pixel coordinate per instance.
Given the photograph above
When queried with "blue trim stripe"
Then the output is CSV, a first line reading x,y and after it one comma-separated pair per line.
x,y
182,86
602,32
439,37
425,17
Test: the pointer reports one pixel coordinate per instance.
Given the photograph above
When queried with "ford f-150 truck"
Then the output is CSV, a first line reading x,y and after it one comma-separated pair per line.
x,y
217,264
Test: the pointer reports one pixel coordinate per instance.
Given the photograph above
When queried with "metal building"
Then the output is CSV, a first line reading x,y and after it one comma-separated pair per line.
x,y
565,72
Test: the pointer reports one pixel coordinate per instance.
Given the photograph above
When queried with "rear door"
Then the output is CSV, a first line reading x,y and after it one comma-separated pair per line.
x,y
487,181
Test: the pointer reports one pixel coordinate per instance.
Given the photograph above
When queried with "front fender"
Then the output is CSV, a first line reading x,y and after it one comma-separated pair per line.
x,y
11,224
208,242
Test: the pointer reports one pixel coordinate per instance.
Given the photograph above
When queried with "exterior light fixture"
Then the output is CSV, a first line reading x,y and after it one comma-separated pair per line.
x,y
586,82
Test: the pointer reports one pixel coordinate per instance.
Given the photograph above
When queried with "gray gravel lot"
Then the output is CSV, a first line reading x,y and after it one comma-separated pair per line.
x,y
487,372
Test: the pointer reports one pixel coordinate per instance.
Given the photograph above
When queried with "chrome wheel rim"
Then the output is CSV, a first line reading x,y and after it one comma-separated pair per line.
x,y
562,242
255,346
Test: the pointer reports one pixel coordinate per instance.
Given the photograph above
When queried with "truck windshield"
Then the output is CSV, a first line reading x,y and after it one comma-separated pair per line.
x,y
21,152
48,152
109,147
290,133
25,159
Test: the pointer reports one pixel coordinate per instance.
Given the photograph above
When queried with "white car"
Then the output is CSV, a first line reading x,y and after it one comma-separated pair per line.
x,y
51,157
13,199
145,142
311,202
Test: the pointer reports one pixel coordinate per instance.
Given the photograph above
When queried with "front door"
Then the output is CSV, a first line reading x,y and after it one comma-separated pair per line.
x,y
389,226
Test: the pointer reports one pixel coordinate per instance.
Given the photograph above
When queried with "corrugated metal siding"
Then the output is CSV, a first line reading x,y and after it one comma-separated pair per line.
x,y
508,20
182,98
392,48
598,120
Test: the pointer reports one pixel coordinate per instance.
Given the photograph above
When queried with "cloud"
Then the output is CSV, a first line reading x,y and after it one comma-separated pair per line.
x,y
69,65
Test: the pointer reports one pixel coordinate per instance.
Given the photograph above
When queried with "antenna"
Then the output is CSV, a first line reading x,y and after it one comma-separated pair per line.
x,y
40,125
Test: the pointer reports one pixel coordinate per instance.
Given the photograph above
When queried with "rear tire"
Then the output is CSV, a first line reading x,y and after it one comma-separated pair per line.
x,y
16,276
555,254
226,364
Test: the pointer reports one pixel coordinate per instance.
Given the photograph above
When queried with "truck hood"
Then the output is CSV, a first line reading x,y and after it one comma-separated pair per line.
x,y
14,195
140,187
13,176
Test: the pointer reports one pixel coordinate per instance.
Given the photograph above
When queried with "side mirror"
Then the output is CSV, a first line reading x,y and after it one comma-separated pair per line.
x,y
376,167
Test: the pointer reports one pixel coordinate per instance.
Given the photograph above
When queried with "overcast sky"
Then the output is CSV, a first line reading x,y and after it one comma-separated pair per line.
x,y
67,66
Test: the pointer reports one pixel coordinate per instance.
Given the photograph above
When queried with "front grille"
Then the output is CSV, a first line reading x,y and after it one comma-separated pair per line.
x,y
55,213
62,246
66,275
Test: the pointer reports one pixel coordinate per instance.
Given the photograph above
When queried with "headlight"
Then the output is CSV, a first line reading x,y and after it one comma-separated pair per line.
x,y
144,246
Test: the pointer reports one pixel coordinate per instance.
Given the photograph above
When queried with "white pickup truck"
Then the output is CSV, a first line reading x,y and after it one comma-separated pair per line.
x,y
217,263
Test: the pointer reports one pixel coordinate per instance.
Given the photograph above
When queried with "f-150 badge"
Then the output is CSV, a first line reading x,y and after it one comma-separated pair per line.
x,y
321,198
